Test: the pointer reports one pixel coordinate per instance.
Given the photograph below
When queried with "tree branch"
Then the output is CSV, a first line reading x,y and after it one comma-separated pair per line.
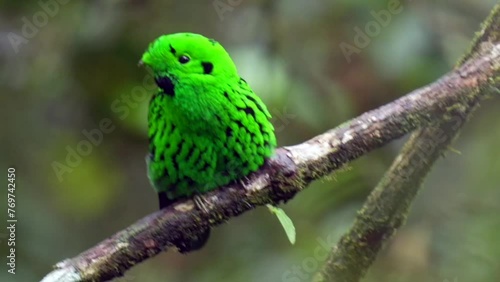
x,y
387,207
285,174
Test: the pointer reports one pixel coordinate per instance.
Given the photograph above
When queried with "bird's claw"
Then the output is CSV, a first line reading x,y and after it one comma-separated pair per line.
x,y
242,182
201,203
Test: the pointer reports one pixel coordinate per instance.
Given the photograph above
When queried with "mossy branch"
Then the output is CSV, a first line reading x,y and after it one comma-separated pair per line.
x,y
288,172
388,205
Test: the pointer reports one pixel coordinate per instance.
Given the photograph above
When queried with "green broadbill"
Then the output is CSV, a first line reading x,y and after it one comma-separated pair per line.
x,y
207,127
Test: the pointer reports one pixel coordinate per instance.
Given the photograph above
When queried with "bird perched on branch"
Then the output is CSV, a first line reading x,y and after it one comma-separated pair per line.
x,y
207,127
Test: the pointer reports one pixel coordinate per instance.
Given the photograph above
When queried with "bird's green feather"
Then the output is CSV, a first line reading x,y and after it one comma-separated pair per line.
x,y
206,125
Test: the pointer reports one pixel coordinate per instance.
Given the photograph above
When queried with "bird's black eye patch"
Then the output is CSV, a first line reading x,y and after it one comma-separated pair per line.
x,y
207,67
166,84
184,59
172,50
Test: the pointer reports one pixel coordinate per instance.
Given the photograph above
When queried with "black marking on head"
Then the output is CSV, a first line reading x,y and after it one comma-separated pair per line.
x,y
172,50
207,67
212,41
226,95
166,84
241,79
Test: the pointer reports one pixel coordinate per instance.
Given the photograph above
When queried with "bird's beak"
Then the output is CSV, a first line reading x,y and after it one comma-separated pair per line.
x,y
140,64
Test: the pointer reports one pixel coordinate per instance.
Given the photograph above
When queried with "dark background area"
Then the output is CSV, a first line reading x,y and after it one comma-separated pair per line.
x,y
65,78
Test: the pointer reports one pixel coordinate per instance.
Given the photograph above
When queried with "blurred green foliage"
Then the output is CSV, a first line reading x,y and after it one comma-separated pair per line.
x,y
65,79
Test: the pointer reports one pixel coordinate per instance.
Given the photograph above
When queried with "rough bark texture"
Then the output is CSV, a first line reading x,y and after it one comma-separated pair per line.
x,y
293,168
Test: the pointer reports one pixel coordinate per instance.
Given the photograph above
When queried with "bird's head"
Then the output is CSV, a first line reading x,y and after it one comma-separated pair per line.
x,y
181,55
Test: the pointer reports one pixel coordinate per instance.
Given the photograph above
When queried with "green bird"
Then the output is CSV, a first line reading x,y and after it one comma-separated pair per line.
x,y
207,128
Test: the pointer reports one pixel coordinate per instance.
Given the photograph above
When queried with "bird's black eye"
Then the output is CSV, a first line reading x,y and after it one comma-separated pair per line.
x,y
184,59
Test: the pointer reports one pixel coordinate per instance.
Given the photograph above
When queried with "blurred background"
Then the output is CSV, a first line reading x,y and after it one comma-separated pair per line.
x,y
65,66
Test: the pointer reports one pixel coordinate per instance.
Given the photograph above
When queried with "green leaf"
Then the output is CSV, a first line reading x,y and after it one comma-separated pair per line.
x,y
285,221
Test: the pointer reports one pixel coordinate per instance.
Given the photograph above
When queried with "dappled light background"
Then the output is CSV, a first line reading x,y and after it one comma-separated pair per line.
x,y
77,74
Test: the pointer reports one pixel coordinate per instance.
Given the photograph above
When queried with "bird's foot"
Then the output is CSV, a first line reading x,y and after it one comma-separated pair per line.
x,y
242,182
